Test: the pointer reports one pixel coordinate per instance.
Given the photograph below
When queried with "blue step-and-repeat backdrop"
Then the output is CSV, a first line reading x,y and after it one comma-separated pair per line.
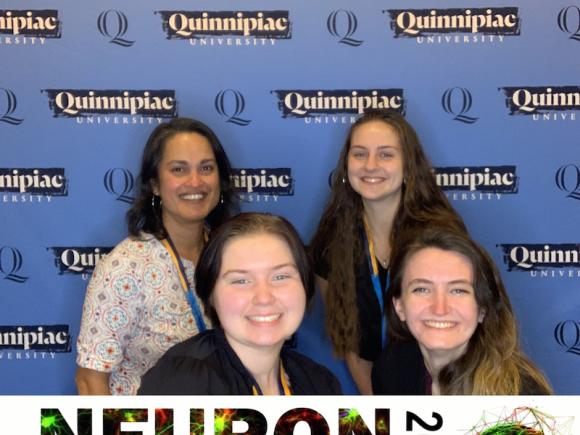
x,y
492,87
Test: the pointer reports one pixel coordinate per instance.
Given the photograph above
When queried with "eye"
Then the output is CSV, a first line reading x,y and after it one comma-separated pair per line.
x,y
385,155
358,154
239,281
207,168
281,276
177,169
460,291
420,290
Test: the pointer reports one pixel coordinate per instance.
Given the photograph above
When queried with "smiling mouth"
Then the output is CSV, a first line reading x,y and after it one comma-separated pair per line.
x,y
372,180
265,319
193,196
437,324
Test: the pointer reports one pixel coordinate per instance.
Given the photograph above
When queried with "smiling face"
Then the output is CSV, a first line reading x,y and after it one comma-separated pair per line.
x,y
438,302
259,297
188,180
375,162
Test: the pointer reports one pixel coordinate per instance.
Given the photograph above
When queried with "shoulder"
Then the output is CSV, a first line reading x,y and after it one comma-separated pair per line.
x,y
188,368
307,377
399,370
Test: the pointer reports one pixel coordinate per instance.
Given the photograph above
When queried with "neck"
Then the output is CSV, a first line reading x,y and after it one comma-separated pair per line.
x,y
380,216
262,363
435,361
187,239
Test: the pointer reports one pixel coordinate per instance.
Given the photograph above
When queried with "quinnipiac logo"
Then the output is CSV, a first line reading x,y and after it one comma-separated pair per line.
x,y
569,22
438,25
545,260
32,184
311,104
120,182
38,23
567,335
135,106
230,103
477,182
568,180
78,260
457,102
45,338
245,27
262,184
7,109
10,265
113,25
543,102
342,24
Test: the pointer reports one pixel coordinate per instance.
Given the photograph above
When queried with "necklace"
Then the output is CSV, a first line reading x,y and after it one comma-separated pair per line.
x,y
384,262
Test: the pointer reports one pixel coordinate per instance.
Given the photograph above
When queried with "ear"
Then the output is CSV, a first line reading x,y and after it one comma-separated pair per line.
x,y
399,309
155,186
481,316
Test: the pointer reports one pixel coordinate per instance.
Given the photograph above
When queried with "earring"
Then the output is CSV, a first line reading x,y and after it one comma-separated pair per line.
x,y
153,202
222,198
343,180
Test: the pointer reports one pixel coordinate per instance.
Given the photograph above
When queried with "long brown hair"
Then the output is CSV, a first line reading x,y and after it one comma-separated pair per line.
x,y
493,362
337,241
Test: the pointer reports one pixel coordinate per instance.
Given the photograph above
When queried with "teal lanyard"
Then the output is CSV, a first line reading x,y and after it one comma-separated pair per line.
x,y
376,280
195,310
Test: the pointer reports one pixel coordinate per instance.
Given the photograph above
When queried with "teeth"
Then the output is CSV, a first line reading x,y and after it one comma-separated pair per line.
x,y
372,179
439,325
264,319
193,196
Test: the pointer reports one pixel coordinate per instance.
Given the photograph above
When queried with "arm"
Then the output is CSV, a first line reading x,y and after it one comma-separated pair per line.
x,y
91,382
360,370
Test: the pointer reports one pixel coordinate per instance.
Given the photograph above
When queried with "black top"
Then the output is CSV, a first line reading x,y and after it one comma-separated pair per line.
x,y
400,371
207,365
369,310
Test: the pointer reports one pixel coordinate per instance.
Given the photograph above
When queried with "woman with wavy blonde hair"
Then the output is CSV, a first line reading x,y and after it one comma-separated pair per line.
x,y
451,325
383,185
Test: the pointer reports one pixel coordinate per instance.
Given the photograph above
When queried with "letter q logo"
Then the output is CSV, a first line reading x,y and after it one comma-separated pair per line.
x,y
120,182
567,335
457,102
8,109
230,103
113,24
10,263
568,180
569,22
343,24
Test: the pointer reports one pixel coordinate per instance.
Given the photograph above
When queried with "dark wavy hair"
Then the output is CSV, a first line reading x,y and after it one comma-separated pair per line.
x,y
337,240
145,215
210,260
493,362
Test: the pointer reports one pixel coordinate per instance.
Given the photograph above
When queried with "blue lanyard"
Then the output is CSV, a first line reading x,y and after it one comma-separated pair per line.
x,y
375,278
195,310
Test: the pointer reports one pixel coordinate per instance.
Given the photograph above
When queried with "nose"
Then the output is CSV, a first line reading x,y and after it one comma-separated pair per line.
x,y
371,163
262,293
195,179
440,304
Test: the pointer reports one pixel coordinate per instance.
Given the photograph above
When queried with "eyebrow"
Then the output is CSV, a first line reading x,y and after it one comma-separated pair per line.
x,y
426,281
379,147
185,162
243,271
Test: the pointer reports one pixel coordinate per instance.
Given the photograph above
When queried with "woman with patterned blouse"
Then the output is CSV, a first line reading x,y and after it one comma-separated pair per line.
x,y
141,298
